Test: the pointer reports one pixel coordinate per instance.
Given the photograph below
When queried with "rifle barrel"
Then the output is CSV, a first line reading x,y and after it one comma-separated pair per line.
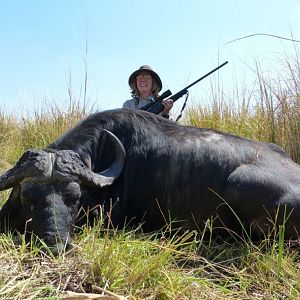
x,y
201,78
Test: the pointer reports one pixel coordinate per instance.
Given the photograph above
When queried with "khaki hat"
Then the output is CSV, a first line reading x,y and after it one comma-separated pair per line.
x,y
145,68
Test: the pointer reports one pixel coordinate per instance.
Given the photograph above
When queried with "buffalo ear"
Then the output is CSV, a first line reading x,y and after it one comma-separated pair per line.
x,y
15,196
11,214
14,201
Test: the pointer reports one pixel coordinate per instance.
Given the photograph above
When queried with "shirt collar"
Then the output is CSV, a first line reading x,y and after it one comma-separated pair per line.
x,y
148,98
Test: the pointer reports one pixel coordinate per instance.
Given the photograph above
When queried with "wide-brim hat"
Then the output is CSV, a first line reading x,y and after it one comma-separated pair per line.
x,y
132,77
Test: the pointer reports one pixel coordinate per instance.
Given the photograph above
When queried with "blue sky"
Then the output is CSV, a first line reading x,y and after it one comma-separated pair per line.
x,y
43,46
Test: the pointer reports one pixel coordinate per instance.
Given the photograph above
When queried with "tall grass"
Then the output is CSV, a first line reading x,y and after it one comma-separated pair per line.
x,y
138,266
36,131
268,111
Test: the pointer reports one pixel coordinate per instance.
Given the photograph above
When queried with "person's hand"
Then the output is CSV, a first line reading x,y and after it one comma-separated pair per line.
x,y
168,104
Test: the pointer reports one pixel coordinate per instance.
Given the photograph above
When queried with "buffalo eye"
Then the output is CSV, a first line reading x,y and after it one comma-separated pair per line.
x,y
71,193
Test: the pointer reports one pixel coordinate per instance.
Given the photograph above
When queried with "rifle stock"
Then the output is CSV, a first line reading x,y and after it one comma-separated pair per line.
x,y
164,95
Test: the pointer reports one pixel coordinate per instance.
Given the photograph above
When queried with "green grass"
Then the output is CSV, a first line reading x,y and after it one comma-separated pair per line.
x,y
139,266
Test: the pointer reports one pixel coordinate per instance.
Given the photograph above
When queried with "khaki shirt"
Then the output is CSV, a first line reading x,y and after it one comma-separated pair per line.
x,y
138,103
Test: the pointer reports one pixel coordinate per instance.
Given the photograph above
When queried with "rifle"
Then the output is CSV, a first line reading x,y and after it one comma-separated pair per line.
x,y
157,106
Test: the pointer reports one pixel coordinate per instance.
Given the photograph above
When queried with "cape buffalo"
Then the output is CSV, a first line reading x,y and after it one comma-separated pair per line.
x,y
139,166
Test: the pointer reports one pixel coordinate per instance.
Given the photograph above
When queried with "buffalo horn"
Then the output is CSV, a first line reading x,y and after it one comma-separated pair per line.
x,y
32,162
108,176
10,178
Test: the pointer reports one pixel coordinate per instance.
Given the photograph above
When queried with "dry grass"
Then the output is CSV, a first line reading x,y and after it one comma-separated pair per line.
x,y
137,266
268,111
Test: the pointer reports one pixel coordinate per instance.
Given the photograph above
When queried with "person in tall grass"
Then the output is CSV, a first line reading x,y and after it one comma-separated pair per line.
x,y
145,85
